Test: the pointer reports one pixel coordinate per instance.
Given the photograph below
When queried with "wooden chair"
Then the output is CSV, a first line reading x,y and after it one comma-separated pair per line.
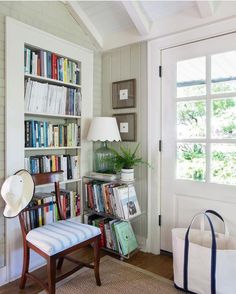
x,y
55,241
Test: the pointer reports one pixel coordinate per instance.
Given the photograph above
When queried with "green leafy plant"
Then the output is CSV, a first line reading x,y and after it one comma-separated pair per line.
x,y
126,158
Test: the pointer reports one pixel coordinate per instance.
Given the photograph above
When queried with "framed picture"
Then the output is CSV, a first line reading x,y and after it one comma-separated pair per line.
x,y
123,94
127,126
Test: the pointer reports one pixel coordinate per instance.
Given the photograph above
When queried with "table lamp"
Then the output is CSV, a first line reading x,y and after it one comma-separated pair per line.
x,y
103,129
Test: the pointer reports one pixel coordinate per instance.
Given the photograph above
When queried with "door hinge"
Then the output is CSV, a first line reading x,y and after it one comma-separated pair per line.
x,y
159,219
160,71
160,146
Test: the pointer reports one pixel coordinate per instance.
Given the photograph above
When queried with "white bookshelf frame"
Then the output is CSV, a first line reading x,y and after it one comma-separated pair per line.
x,y
51,148
65,116
17,36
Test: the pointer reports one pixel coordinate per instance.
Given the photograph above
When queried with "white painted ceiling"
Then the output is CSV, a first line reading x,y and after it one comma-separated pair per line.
x,y
110,16
107,16
155,10
117,23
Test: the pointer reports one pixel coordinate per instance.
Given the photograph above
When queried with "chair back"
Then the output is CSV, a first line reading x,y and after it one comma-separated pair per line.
x,y
42,179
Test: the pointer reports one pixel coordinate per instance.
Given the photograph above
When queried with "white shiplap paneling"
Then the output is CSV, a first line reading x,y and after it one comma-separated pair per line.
x,y
126,63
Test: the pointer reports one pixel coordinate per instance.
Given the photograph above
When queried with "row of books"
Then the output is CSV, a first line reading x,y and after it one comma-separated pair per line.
x,y
116,199
70,204
116,235
45,134
51,163
51,99
50,65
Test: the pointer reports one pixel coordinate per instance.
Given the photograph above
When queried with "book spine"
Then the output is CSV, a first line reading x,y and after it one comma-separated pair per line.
x,y
41,54
25,61
54,66
61,65
65,70
42,137
69,170
55,136
49,65
27,133
39,65
103,238
53,158
45,63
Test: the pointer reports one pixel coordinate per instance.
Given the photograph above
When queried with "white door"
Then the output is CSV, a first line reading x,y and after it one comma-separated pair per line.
x,y
199,133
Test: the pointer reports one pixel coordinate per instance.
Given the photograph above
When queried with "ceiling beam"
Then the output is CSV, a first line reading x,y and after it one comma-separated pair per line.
x,y
206,8
81,17
137,16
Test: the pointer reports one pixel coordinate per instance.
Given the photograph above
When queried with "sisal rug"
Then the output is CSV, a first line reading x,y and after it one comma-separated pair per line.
x,y
116,277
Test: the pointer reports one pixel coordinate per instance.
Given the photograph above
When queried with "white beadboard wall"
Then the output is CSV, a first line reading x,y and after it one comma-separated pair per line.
x,y
120,64
54,18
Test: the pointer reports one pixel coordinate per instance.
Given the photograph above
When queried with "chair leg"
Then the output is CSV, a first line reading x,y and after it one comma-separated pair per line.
x,y
60,263
25,267
51,269
96,250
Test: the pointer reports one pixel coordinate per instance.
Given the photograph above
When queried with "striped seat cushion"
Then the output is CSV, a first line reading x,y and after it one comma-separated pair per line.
x,y
56,237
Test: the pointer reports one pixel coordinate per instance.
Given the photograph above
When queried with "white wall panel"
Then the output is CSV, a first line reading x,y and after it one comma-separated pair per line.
x,y
120,64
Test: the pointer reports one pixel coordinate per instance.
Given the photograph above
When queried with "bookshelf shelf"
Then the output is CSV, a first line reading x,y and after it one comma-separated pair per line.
x,y
65,116
51,148
116,217
51,81
62,182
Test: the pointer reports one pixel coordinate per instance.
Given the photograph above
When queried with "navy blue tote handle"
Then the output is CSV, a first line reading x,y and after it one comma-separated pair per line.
x,y
215,213
213,251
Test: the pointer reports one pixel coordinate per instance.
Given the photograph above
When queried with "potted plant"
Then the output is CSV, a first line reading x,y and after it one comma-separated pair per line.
x,y
125,161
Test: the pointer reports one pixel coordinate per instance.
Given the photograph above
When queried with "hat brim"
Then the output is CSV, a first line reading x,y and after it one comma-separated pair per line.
x,y
27,194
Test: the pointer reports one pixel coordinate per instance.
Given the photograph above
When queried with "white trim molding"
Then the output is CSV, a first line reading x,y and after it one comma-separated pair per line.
x,y
137,16
80,16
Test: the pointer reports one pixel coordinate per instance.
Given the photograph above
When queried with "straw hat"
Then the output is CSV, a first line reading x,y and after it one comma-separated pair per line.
x,y
17,191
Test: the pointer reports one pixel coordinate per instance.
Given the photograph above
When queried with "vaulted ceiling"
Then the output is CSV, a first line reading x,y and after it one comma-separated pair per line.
x,y
117,23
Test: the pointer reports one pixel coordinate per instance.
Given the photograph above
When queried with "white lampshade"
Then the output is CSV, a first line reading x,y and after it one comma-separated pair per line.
x,y
104,129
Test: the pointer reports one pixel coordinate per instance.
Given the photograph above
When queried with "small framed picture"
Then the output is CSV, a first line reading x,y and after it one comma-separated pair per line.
x,y
127,126
123,94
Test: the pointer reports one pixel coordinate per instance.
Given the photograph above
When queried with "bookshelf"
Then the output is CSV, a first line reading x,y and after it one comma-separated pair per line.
x,y
52,81
18,37
107,207
52,84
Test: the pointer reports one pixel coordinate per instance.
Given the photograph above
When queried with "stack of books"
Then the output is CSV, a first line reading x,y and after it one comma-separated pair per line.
x,y
70,203
52,99
116,235
111,198
51,163
50,65
45,134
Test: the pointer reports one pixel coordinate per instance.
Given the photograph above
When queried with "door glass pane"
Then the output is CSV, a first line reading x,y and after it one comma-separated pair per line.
x,y
191,77
223,163
191,119
223,120
191,161
223,72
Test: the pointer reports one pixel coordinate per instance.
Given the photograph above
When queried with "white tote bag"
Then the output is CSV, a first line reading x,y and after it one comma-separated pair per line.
x,y
204,261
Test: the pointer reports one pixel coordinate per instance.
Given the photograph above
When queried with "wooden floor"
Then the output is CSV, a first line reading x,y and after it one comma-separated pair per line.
x,y
158,264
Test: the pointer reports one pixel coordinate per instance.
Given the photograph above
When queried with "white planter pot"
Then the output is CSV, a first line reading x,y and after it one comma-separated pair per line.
x,y
127,174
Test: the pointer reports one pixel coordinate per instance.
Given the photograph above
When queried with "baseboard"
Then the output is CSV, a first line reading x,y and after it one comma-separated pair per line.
x,y
167,253
142,242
